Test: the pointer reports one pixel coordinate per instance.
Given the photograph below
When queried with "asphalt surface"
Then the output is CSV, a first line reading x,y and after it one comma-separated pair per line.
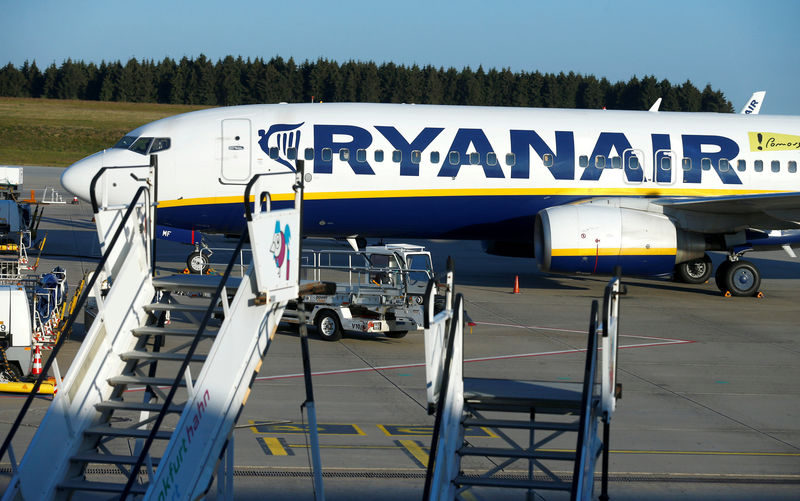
x,y
710,407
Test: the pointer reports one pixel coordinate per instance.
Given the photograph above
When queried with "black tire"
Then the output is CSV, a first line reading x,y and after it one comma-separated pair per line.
x,y
396,334
742,279
12,372
197,263
719,276
696,271
328,326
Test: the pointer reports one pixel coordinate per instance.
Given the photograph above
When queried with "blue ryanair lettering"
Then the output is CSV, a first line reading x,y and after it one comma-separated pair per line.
x,y
461,143
563,159
661,150
323,138
422,141
605,143
692,149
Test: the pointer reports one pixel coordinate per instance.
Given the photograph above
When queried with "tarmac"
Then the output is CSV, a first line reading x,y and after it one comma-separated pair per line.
x,y
710,407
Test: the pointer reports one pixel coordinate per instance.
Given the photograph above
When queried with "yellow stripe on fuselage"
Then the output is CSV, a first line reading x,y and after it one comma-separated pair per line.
x,y
613,251
479,192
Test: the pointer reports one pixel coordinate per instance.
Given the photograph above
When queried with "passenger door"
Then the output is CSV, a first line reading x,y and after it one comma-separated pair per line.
x,y
236,156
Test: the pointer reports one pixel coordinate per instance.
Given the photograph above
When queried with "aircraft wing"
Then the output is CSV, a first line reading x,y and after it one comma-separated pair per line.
x,y
772,211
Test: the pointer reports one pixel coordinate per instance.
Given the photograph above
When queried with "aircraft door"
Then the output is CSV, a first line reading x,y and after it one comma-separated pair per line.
x,y
633,164
236,155
665,162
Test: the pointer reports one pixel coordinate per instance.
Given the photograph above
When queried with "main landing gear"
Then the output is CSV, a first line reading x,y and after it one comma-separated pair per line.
x,y
734,277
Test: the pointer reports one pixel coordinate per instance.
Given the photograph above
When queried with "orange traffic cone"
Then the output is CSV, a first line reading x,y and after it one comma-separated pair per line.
x,y
37,361
516,285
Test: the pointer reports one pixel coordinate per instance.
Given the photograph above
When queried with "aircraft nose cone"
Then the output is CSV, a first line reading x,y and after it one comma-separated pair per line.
x,y
78,176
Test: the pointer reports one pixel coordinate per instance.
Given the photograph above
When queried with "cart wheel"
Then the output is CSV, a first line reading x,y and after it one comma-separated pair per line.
x,y
328,327
197,262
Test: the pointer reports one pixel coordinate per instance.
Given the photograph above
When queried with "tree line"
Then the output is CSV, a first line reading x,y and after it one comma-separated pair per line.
x,y
232,81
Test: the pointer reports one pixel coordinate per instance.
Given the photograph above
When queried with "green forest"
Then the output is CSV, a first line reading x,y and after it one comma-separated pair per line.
x,y
232,81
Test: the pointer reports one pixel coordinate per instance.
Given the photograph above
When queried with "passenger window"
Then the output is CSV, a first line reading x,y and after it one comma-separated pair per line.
x,y
379,155
792,166
583,161
758,165
705,163
600,161
397,156
686,163
434,157
741,165
616,163
453,157
724,165
511,159
491,158
309,154
361,155
776,166
327,154
474,158
416,156
344,154
547,158
273,152
633,162
160,144
291,153
666,163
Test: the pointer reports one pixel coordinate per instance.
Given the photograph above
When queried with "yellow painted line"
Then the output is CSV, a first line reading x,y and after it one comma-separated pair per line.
x,y
692,453
274,446
613,251
469,192
415,450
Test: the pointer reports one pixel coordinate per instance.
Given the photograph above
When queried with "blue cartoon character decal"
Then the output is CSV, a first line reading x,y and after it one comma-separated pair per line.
x,y
280,247
284,137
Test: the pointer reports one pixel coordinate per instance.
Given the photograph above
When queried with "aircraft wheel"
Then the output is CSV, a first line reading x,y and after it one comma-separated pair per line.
x,y
719,276
328,327
396,334
696,271
197,263
742,278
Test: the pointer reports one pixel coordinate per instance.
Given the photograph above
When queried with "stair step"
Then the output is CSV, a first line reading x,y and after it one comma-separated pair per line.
x,y
517,453
197,308
96,457
83,485
159,331
522,425
118,405
513,483
195,283
142,380
110,431
517,395
148,355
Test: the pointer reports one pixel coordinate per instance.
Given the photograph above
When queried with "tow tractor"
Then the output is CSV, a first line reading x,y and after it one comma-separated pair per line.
x,y
378,290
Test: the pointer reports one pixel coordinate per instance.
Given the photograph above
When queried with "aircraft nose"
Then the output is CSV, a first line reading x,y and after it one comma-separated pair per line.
x,y
78,176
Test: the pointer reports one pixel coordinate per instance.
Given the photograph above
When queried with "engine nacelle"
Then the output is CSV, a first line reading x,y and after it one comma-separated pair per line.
x,y
594,238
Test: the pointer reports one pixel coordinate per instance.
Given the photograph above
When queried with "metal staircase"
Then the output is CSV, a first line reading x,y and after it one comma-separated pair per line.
x,y
529,416
162,375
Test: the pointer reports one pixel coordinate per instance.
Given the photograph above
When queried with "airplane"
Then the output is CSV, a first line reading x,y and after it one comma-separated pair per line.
x,y
583,191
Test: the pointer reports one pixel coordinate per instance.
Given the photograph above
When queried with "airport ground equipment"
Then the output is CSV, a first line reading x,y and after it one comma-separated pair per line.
x,y
546,413
169,438
379,289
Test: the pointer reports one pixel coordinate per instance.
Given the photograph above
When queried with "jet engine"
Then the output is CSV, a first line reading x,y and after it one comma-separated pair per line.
x,y
594,238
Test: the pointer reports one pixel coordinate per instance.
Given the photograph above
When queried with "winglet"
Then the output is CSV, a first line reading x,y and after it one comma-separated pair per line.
x,y
655,106
754,103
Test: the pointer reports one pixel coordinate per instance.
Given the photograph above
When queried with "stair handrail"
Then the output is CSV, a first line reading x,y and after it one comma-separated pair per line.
x,y
71,320
441,408
610,389
587,419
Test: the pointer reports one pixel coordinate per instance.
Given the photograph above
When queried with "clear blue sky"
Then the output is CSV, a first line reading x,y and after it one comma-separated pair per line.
x,y
736,46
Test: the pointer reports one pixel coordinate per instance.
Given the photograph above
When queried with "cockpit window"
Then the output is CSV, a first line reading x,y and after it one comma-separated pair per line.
x,y
125,142
160,144
141,145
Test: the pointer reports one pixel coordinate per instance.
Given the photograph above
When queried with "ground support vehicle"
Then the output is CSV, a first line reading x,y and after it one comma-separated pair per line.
x,y
378,290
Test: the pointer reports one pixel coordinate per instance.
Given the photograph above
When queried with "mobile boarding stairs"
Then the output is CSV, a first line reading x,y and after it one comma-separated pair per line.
x,y
534,415
155,403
